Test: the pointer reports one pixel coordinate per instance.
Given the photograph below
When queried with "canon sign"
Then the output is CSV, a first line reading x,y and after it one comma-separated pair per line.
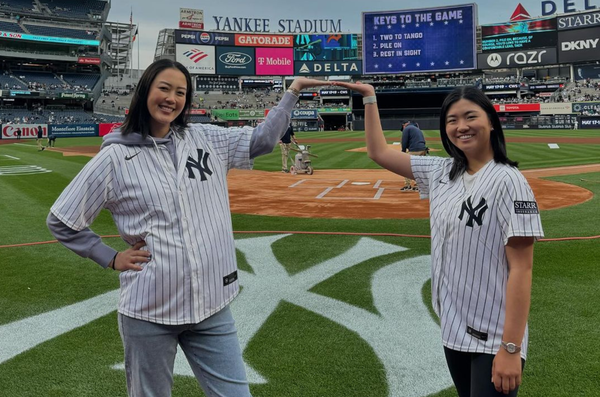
x,y
9,131
512,59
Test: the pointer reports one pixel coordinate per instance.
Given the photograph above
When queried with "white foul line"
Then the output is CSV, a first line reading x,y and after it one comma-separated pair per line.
x,y
320,196
299,182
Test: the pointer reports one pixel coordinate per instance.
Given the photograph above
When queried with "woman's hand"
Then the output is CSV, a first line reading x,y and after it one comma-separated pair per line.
x,y
506,371
301,83
128,259
363,89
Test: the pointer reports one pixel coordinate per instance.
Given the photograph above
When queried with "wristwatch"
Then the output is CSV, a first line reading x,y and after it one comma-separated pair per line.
x,y
511,347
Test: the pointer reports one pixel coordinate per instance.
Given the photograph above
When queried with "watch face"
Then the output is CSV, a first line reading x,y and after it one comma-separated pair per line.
x,y
511,347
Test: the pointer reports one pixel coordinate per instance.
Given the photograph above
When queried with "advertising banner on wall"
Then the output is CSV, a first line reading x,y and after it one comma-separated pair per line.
x,y
589,122
556,108
274,61
190,18
88,61
308,114
107,128
590,71
264,40
328,68
207,38
518,107
586,107
579,45
579,21
226,114
517,59
420,40
198,59
237,61
9,131
73,130
246,114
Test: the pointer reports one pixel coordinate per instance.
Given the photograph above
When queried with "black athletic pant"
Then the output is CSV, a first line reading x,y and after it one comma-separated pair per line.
x,y
472,374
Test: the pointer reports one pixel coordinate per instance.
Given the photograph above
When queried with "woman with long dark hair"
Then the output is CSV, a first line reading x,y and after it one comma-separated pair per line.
x,y
164,182
484,220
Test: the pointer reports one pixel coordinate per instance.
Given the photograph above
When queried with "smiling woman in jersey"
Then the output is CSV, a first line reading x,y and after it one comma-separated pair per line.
x,y
484,220
165,183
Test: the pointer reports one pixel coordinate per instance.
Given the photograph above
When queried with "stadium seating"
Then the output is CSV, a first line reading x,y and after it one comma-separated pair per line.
x,y
9,82
83,81
17,5
11,27
61,32
75,9
40,80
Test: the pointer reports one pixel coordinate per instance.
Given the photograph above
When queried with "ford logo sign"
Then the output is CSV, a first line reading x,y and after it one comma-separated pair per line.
x,y
235,58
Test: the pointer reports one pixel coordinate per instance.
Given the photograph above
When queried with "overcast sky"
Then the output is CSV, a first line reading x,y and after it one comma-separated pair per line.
x,y
154,15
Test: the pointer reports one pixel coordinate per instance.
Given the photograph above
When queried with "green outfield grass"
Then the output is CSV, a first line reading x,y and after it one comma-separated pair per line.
x,y
298,352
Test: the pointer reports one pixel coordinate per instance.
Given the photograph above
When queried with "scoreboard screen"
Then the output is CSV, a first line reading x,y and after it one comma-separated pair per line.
x,y
424,40
325,47
533,33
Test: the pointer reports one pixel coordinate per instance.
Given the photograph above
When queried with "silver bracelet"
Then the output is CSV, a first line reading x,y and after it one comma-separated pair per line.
x,y
294,92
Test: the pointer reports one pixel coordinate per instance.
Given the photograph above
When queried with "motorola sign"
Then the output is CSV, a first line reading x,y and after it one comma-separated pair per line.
x,y
579,45
517,59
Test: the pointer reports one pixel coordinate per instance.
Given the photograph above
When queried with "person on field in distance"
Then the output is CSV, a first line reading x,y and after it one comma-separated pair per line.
x,y
164,182
413,143
285,143
484,220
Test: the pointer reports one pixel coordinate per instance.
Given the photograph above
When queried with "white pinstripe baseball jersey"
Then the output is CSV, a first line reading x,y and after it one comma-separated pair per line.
x,y
181,212
469,230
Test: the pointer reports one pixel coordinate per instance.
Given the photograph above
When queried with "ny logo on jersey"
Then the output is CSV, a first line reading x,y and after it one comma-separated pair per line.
x,y
475,214
201,165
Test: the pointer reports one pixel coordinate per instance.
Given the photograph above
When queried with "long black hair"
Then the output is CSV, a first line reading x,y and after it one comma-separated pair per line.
x,y
138,118
476,96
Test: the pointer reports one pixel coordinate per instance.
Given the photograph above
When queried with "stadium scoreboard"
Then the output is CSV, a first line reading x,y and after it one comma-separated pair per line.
x,y
519,35
423,40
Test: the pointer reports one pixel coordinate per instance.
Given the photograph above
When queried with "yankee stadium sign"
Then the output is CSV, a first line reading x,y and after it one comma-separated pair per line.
x,y
260,25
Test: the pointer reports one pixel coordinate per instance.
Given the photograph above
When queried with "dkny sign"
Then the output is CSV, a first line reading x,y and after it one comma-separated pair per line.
x,y
517,59
579,45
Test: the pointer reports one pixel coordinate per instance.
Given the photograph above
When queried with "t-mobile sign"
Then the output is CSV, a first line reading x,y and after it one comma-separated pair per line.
x,y
274,61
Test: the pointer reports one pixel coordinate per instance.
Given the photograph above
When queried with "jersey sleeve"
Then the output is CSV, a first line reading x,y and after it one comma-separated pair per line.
x,y
89,192
422,168
232,145
517,211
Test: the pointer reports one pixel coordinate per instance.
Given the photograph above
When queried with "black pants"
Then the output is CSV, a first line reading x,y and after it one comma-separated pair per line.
x,y
472,374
